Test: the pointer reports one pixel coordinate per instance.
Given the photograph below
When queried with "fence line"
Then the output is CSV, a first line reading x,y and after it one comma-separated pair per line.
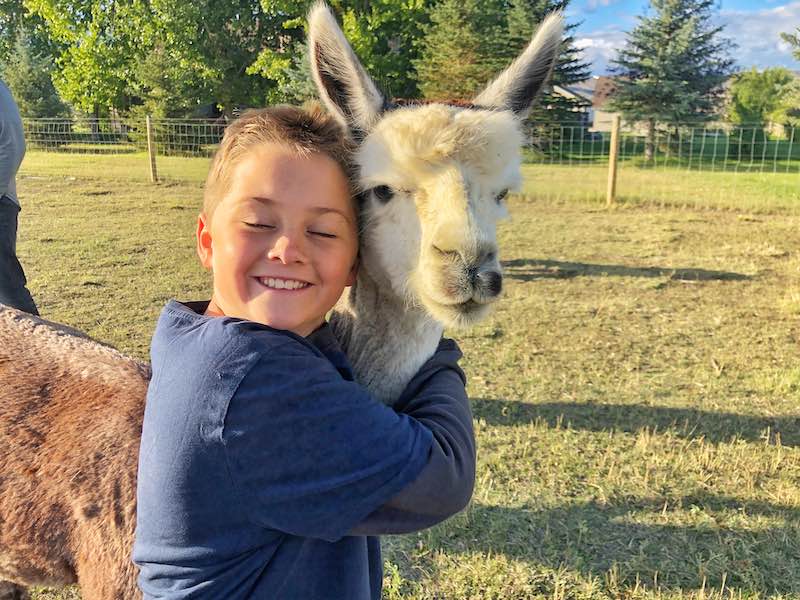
x,y
564,160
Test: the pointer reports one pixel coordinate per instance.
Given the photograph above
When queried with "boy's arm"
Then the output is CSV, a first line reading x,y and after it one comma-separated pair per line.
x,y
313,454
436,398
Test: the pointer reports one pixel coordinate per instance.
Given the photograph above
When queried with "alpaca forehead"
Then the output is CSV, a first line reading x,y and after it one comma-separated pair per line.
x,y
411,144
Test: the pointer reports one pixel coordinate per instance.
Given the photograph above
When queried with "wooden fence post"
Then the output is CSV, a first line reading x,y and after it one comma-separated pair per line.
x,y
612,161
151,151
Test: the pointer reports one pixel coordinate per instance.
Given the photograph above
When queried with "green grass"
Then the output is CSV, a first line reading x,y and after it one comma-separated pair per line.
x,y
740,187
665,186
635,392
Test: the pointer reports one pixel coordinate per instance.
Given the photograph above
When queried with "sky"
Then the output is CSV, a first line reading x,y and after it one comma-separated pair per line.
x,y
754,25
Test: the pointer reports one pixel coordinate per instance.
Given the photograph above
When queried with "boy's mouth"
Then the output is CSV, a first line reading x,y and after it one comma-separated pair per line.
x,y
276,283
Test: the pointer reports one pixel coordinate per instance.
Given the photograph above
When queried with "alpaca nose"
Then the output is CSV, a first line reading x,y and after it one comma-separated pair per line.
x,y
486,277
489,281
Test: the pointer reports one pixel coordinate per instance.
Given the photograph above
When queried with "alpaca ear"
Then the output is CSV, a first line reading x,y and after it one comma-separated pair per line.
x,y
516,87
343,84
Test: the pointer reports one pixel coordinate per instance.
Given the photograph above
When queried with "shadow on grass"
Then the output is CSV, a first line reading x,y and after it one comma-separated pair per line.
x,y
715,427
529,269
641,539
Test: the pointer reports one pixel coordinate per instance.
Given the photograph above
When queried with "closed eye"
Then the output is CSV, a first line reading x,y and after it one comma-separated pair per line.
x,y
501,196
323,234
259,225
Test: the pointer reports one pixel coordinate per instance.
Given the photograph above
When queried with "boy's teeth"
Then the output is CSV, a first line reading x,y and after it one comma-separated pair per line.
x,y
283,284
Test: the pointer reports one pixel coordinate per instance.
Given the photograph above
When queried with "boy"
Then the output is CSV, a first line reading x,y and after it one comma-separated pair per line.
x,y
264,469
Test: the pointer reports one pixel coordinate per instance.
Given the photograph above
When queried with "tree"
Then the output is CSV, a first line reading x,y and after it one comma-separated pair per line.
x,y
672,67
793,39
523,16
14,18
459,49
28,75
468,43
111,49
382,32
762,97
98,47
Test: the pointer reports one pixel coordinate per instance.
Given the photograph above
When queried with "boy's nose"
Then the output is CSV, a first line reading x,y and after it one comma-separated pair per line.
x,y
287,250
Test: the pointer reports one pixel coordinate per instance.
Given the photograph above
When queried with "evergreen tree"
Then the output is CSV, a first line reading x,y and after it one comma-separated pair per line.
x,y
672,67
468,43
523,16
459,49
28,76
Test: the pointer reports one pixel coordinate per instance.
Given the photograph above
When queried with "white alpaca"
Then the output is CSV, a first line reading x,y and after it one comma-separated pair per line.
x,y
71,409
435,177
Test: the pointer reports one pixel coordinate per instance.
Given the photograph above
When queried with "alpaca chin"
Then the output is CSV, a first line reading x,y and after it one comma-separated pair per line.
x,y
457,316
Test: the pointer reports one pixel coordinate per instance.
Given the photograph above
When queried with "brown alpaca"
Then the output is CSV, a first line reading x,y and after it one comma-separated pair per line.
x,y
67,468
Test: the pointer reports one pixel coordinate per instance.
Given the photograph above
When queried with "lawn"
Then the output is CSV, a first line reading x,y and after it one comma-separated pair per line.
x,y
720,185
635,392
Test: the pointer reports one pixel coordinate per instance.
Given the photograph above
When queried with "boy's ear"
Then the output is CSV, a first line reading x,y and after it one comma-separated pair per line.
x,y
351,277
203,239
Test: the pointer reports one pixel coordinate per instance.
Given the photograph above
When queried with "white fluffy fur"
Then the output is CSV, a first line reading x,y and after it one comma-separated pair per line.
x,y
446,166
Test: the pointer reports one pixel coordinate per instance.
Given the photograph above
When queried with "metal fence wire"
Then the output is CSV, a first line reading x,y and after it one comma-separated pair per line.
x,y
683,163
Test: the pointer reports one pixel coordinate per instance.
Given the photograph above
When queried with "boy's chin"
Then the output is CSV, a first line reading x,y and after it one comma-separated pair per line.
x,y
300,327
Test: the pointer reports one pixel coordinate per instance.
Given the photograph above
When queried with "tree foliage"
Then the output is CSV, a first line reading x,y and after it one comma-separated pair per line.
x,y
762,97
467,43
523,16
28,75
119,53
382,33
459,53
793,39
673,65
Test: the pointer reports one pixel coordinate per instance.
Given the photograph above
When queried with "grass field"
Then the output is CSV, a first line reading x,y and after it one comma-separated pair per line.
x,y
740,186
635,393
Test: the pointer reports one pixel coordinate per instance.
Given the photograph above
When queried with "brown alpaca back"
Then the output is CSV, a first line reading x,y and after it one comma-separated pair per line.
x,y
70,422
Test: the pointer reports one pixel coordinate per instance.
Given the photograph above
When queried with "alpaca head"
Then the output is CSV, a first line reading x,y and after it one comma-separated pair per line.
x,y
434,176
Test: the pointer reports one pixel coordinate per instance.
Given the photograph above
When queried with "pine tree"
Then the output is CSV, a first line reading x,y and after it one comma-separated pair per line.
x,y
672,68
28,76
468,43
522,19
459,49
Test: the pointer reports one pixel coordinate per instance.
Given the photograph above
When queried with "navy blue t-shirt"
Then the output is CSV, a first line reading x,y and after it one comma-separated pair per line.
x,y
259,455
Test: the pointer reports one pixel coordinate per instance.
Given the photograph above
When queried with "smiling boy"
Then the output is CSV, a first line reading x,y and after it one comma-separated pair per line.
x,y
264,470
296,211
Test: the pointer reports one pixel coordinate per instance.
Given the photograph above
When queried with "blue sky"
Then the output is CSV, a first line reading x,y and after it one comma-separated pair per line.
x,y
754,25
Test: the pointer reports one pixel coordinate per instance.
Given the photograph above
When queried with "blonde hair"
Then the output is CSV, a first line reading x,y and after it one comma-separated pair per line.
x,y
303,130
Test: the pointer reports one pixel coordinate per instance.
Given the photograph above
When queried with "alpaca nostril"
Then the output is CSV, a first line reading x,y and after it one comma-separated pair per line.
x,y
490,282
494,282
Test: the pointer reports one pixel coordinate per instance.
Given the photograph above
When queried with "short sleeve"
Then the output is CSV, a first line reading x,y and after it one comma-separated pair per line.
x,y
311,453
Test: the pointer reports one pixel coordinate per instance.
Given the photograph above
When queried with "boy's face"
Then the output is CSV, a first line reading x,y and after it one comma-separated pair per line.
x,y
282,243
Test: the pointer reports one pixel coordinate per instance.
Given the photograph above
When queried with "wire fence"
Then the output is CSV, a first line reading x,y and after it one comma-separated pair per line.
x,y
717,165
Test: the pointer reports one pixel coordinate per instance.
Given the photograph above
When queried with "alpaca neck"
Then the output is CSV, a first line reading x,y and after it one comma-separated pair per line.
x,y
386,341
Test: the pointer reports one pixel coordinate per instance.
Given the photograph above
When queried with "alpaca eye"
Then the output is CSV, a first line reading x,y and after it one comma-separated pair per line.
x,y
501,196
383,193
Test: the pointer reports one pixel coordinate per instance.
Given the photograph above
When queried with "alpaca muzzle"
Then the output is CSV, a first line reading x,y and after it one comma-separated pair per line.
x,y
487,282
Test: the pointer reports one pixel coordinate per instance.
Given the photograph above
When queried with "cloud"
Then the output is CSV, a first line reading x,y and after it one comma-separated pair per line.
x,y
592,5
599,47
757,33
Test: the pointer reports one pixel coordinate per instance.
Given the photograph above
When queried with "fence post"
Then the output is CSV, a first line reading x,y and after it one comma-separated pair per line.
x,y
151,151
612,161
